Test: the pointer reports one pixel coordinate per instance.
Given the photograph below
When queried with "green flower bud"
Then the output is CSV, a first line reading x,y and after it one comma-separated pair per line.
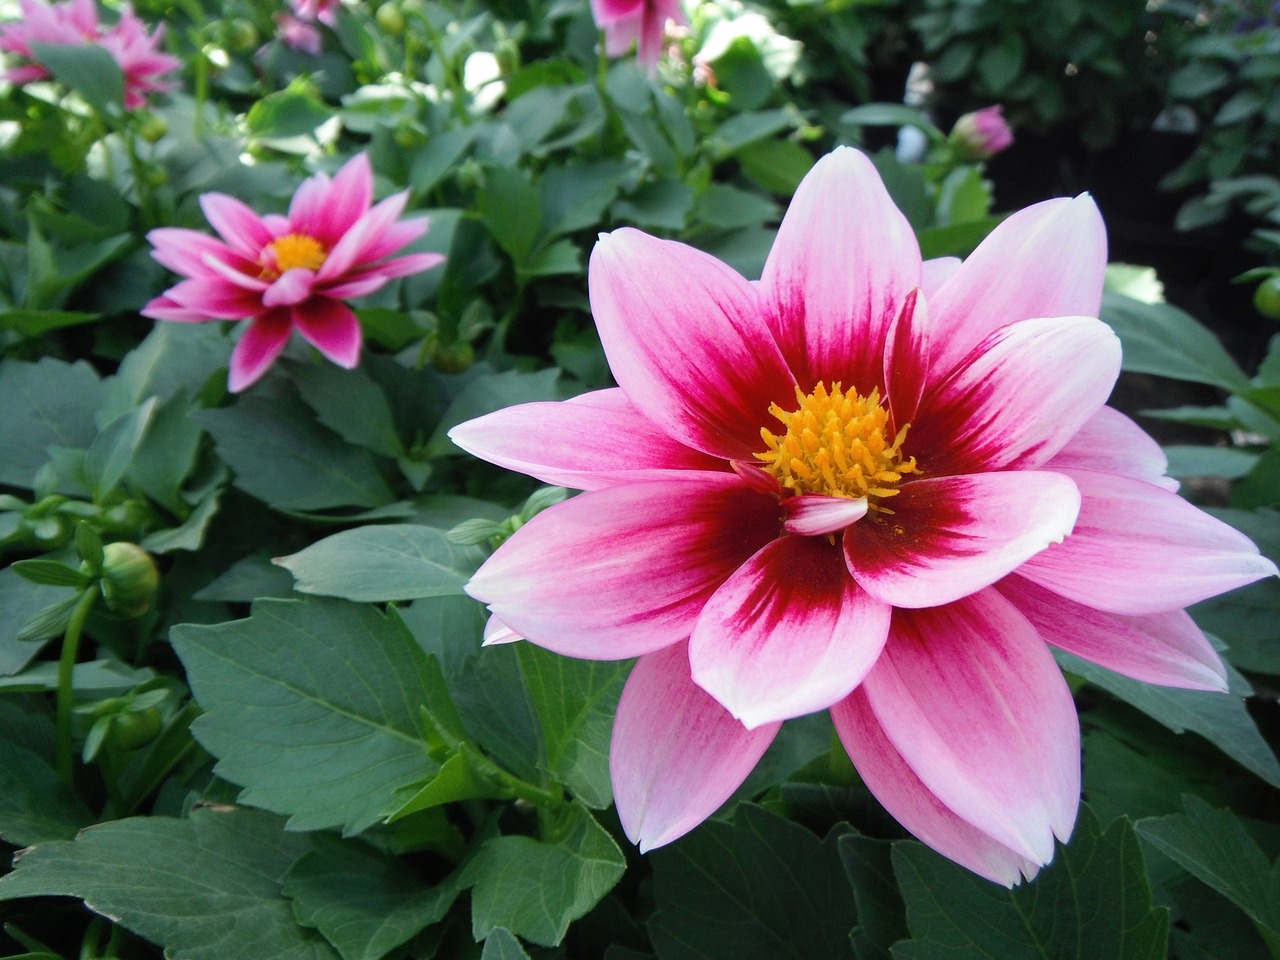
x,y
129,578
453,357
390,18
1267,297
134,728
153,128
242,35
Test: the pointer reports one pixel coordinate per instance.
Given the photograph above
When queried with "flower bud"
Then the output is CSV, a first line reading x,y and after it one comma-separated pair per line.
x,y
132,729
153,128
1267,297
982,133
129,578
390,18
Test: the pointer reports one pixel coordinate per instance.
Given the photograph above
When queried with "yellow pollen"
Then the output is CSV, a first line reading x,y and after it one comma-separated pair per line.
x,y
297,250
835,444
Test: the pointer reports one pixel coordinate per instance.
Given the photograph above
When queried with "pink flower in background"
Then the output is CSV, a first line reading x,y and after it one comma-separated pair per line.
x,y
640,21
983,133
287,272
326,11
298,34
75,23
865,484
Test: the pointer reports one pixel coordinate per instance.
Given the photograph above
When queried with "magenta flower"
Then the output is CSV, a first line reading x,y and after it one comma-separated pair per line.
x,y
819,492
983,133
298,34
75,23
636,21
326,11
286,272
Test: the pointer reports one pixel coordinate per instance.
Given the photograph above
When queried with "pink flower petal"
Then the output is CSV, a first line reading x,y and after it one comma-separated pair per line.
x,y
970,697
911,803
290,288
258,348
1139,549
1045,261
606,12
396,236
216,266
331,328
166,308
1018,398
676,754
243,229
592,441
844,260
934,273
788,634
814,515
346,200
1165,648
685,341
951,536
351,249
496,632
215,299
631,566
184,251
1112,443
307,214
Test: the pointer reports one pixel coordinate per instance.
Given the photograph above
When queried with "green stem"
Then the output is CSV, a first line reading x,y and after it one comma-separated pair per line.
x,y
66,666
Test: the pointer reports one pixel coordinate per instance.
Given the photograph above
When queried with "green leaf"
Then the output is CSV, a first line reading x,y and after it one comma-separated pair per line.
x,y
20,600
283,457
1092,901
511,209
726,208
1221,718
35,805
50,573
575,196
439,157
46,404
365,902
1161,339
207,888
109,456
502,945
575,701
312,707
535,889
173,357
663,204
396,561
1214,846
32,323
744,129
759,888
285,113
776,165
1186,460
457,780
881,913
350,404
559,258
88,69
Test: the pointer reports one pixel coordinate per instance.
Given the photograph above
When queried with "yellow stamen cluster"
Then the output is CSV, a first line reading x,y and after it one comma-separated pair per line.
x,y
835,444
297,250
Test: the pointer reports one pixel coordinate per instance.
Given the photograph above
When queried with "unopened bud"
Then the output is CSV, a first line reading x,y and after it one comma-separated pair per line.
x,y
129,579
983,133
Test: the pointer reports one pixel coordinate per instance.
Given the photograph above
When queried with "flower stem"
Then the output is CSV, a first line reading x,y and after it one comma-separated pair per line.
x,y
66,666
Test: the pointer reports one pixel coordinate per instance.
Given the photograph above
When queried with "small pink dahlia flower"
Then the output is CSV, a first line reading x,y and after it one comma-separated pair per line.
x,y
865,484
75,23
298,34
325,11
642,22
282,272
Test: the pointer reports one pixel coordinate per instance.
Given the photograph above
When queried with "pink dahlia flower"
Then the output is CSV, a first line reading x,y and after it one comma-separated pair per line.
x,y
75,23
983,133
326,11
642,22
294,271
298,34
865,484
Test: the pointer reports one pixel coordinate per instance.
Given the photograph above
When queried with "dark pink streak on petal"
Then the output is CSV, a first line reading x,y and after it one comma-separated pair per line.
x,y
623,571
843,261
906,360
258,348
789,633
684,339
331,328
951,536
676,754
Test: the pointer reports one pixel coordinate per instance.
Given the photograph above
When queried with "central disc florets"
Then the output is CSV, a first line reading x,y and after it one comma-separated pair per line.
x,y
294,250
836,444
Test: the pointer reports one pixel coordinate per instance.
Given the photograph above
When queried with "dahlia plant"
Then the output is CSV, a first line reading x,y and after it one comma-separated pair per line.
x,y
868,484
282,272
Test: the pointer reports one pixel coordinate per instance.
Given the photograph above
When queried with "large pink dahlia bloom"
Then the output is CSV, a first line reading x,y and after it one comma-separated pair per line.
x,y
642,22
293,271
865,484
75,23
